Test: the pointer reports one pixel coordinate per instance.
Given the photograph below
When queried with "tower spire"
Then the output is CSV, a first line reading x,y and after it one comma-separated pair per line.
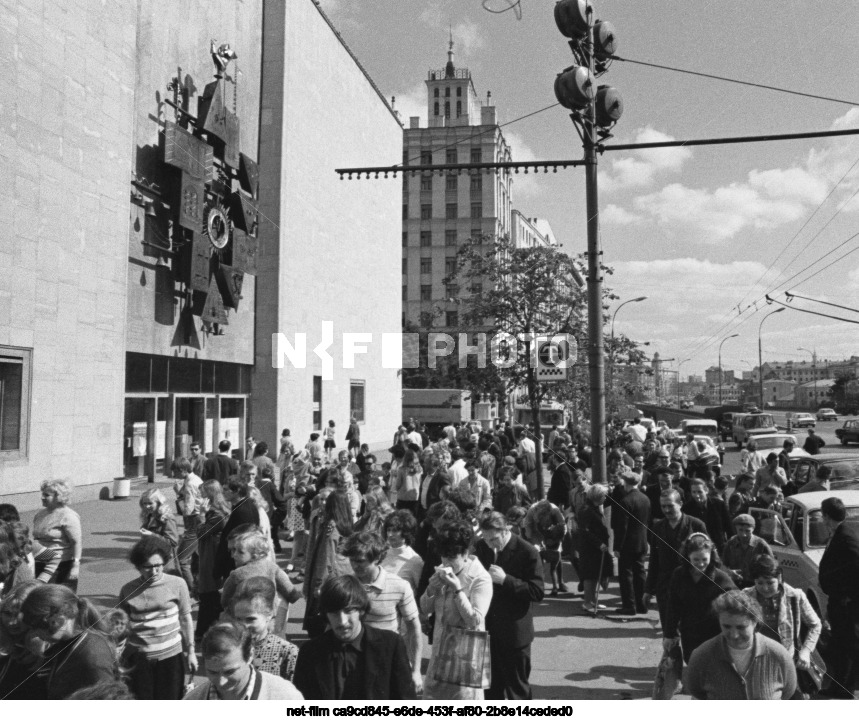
x,y
448,71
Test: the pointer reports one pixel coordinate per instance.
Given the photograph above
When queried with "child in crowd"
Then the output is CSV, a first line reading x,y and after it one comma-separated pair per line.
x,y
250,551
254,607
328,436
132,663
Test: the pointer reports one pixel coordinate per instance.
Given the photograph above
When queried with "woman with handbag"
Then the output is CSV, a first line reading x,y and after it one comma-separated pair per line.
x,y
786,612
458,595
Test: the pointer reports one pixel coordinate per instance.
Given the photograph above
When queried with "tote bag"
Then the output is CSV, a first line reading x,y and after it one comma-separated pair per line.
x,y
463,658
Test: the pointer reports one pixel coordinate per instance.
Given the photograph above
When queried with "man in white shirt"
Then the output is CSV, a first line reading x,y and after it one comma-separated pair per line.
x,y
457,470
414,436
450,431
526,445
637,431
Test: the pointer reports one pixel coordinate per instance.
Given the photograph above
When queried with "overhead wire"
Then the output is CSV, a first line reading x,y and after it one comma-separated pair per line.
x,y
790,297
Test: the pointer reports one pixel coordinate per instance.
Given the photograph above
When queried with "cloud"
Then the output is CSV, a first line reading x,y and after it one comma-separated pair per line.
x,y
640,169
433,16
468,38
411,102
524,186
764,200
618,216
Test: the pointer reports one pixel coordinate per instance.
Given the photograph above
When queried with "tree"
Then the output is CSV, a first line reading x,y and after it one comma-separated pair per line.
x,y
519,295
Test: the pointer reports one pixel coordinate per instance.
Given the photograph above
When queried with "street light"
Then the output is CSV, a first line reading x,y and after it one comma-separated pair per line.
x,y
720,363
614,315
678,379
760,358
813,373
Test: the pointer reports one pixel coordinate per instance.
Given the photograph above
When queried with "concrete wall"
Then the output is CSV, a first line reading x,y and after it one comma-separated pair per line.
x,y
174,35
330,246
66,117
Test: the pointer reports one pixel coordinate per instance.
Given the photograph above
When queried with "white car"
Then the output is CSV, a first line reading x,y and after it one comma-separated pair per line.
x,y
827,414
775,442
798,537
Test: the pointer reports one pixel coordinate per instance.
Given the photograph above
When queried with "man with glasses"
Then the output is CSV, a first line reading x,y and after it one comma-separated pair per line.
x,y
197,459
517,583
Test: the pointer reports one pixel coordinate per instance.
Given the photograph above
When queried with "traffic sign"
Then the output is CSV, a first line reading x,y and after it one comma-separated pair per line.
x,y
555,356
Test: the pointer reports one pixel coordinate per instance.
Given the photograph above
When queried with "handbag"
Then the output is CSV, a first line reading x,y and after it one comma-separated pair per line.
x,y
668,675
462,658
810,680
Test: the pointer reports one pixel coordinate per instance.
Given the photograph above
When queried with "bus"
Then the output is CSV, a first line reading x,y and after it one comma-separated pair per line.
x,y
551,413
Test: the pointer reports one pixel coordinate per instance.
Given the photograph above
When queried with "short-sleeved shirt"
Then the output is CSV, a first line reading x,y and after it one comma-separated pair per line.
x,y
391,598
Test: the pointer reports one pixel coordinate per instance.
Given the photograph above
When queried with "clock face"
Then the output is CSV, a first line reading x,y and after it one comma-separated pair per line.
x,y
217,226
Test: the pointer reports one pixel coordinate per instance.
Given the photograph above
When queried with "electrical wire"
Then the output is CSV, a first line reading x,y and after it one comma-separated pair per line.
x,y
791,296
734,80
814,312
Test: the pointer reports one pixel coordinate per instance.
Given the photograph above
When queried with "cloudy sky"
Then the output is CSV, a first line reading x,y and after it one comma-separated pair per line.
x,y
703,232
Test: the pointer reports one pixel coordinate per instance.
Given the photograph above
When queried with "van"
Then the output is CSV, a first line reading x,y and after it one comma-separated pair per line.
x,y
701,427
747,425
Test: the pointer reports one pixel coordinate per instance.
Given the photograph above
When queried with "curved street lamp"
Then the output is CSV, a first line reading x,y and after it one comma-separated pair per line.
x,y
612,356
720,363
760,358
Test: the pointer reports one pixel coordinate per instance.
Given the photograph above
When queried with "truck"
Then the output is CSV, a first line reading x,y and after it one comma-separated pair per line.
x,y
437,407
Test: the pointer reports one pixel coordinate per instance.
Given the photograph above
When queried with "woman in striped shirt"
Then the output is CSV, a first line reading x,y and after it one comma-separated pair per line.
x,y
159,608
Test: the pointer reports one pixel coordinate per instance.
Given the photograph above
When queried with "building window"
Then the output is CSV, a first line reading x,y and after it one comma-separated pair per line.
x,y
450,237
447,92
450,265
405,212
426,212
426,238
435,109
476,210
356,400
405,239
426,266
477,235
451,211
476,155
425,319
451,318
435,92
459,92
15,368
476,183
451,290
426,156
405,266
426,292
426,182
458,108
405,292
451,183
450,156
447,110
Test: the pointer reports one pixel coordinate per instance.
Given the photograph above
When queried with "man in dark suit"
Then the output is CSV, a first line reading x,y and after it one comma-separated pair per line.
x,y
517,582
221,466
352,661
713,511
630,518
666,537
839,579
244,512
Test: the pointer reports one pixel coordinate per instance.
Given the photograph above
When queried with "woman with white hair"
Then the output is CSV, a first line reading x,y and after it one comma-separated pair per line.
x,y
58,528
594,563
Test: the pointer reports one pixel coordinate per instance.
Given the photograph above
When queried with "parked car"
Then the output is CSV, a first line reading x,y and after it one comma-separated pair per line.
x,y
844,470
848,433
801,420
827,414
798,537
775,442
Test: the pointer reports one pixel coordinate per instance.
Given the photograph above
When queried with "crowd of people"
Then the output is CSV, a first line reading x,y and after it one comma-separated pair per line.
x,y
449,544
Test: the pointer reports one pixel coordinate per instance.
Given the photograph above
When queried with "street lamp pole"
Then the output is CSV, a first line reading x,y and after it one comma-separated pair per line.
x,y
612,354
720,364
813,373
760,358
678,379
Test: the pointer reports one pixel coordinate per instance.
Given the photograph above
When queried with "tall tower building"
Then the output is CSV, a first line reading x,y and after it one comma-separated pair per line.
x,y
442,212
